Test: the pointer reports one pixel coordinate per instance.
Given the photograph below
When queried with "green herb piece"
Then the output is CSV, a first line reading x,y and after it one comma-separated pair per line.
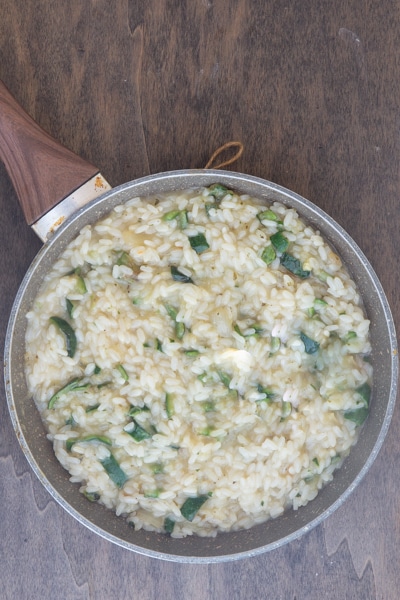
x,y
178,276
365,392
191,352
159,345
97,370
179,215
89,438
316,461
224,378
258,330
320,303
171,311
238,330
208,206
275,344
350,335
138,433
123,372
268,215
70,337
183,220
80,286
169,405
191,506
268,254
323,276
279,242
73,386
204,377
269,394
171,215
157,468
199,243
124,259
152,494
206,431
169,525
310,346
114,471
91,496
293,265
219,191
208,406
357,415
311,311
232,394
180,329
134,410
92,408
286,410
70,306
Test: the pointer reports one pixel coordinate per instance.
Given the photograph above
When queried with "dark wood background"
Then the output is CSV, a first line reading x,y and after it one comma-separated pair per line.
x,y
312,90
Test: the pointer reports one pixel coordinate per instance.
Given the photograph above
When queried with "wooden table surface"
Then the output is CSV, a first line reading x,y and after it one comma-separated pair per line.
x,y
312,90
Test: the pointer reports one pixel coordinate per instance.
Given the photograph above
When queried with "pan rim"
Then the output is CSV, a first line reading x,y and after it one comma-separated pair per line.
x,y
72,227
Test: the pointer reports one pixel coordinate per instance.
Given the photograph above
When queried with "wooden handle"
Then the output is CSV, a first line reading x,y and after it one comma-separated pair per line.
x,y
42,171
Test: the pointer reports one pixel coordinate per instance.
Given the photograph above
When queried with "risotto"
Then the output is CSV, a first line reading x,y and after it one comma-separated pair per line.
x,y
200,361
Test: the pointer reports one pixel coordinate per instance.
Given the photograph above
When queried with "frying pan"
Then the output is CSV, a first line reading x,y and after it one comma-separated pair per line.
x,y
43,174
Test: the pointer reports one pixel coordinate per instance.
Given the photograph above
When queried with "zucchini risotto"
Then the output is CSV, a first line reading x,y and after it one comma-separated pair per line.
x,y
200,361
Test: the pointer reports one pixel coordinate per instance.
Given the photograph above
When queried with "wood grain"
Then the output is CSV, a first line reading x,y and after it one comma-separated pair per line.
x,y
312,90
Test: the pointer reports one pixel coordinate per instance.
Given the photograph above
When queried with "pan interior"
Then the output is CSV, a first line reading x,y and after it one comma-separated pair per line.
x,y
273,533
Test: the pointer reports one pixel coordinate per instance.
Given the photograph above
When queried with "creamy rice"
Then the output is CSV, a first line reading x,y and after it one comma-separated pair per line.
x,y
211,354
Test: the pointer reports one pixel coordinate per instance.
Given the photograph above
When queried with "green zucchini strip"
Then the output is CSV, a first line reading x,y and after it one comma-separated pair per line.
x,y
178,276
191,506
89,438
73,386
293,265
70,337
199,243
114,471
